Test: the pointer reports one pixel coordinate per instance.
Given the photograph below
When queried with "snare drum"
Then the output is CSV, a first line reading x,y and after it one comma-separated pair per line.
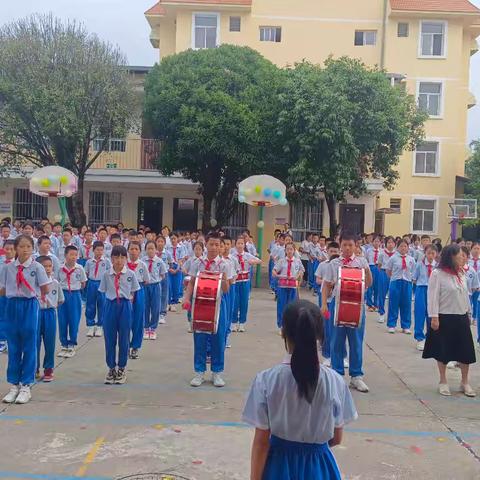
x,y
287,282
350,298
243,277
206,301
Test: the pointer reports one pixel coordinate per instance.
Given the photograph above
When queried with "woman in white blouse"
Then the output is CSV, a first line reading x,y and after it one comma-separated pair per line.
x,y
449,337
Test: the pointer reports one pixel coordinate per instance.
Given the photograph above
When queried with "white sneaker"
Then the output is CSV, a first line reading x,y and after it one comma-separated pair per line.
x,y
358,384
421,345
406,331
218,380
197,380
381,319
98,331
234,327
153,335
241,328
70,352
190,329
228,345
327,362
280,331
391,330
146,334
62,352
24,396
90,331
173,308
11,396
162,320
345,363
452,365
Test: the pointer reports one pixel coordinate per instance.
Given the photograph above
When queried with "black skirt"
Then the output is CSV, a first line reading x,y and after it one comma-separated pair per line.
x,y
452,342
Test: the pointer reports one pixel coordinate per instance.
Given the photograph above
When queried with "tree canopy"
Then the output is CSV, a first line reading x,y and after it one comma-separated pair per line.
x,y
60,87
215,111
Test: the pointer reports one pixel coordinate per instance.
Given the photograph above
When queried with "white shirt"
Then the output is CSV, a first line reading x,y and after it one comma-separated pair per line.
x,y
127,285
34,275
447,294
273,404
77,277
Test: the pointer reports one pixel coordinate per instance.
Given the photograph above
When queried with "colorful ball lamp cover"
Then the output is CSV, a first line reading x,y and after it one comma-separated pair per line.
x,y
53,181
262,191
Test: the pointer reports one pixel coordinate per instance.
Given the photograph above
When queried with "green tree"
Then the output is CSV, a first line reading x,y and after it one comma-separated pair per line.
x,y
215,112
60,87
342,125
472,170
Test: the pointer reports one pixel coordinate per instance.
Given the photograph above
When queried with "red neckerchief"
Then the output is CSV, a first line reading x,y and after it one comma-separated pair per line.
x,y
404,262
375,256
289,267
208,264
174,254
241,261
475,264
150,265
22,280
347,261
116,282
8,260
429,267
68,273
97,264
132,265
87,250
390,253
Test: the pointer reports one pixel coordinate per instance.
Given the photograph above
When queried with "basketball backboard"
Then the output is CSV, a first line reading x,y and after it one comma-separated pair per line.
x,y
463,208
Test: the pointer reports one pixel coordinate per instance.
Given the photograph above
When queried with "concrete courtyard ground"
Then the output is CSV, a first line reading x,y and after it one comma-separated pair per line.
x,y
78,427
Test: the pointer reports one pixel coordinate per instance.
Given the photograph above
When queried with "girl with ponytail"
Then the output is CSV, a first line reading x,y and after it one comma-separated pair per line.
x,y
299,407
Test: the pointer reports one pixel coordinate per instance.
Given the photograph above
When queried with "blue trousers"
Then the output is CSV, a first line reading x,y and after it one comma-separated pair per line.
x,y
372,292
284,297
383,286
311,275
474,300
327,329
117,323
217,343
421,312
22,328
83,262
400,300
3,326
242,296
152,305
47,333
229,298
175,286
164,296
138,318
271,264
355,346
69,314
95,302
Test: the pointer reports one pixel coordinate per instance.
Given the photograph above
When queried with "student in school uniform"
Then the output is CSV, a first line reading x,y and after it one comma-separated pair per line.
x,y
167,259
471,275
9,250
231,274
278,250
156,271
383,279
175,276
304,251
474,263
102,236
211,263
299,407
242,285
287,269
271,262
138,315
421,277
64,241
119,285
44,245
312,255
86,249
72,279
47,328
22,282
318,255
373,256
339,333
197,253
400,269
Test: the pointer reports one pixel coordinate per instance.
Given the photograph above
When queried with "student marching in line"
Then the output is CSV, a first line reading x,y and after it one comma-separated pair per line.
x,y
372,255
175,276
400,268
318,255
271,262
288,272
118,285
22,281
167,259
304,252
340,333
312,258
47,325
211,263
298,408
197,253
138,309
278,251
72,279
153,294
383,278
9,249
242,285
421,276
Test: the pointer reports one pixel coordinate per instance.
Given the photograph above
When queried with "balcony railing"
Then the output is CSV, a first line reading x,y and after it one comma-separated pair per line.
x,y
131,154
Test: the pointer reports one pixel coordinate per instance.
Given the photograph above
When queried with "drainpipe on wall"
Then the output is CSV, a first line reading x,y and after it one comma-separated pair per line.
x,y
384,34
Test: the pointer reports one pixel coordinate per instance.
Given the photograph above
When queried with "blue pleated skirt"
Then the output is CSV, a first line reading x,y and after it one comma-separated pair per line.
x,y
300,461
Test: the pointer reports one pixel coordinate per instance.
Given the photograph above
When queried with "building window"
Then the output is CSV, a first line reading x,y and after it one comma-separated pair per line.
x,y
28,206
430,98
426,158
112,145
205,30
424,212
396,204
432,39
271,34
305,217
365,37
238,221
402,29
235,24
104,207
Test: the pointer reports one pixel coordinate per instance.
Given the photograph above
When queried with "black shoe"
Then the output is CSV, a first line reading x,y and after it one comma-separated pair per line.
x,y
121,377
111,377
134,353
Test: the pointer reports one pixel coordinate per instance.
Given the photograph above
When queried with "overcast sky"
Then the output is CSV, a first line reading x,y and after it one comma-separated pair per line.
x,y
122,22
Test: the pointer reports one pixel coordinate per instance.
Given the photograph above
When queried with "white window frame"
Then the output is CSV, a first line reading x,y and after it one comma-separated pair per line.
x,y
442,95
205,14
445,39
104,208
271,27
299,233
435,215
364,38
438,164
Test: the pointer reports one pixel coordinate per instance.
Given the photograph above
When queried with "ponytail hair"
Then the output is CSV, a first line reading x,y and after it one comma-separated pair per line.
x,y
302,329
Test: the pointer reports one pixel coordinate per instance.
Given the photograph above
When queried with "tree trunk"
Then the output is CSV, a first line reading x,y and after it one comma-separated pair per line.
x,y
75,205
207,212
332,213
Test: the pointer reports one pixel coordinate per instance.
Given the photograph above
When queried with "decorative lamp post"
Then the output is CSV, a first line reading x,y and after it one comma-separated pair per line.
x,y
56,182
261,191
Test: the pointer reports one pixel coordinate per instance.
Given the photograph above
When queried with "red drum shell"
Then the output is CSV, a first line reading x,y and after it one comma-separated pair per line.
x,y
287,283
350,298
243,277
207,296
